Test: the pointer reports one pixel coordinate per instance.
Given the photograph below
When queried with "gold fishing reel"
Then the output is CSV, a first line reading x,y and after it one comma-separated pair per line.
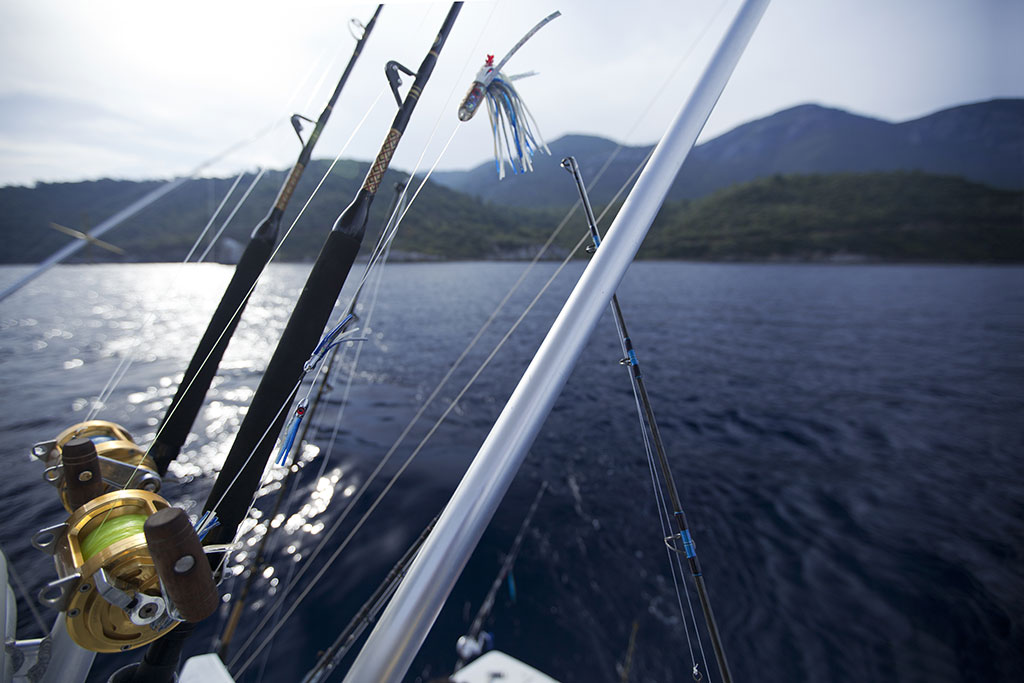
x,y
122,463
107,584
130,568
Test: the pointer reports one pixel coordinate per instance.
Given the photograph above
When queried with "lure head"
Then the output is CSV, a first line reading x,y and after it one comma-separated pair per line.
x,y
477,91
472,101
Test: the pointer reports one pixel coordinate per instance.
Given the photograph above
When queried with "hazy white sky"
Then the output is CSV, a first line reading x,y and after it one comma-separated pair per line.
x,y
130,89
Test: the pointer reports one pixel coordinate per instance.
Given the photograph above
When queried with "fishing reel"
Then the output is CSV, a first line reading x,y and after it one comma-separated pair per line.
x,y
130,568
122,463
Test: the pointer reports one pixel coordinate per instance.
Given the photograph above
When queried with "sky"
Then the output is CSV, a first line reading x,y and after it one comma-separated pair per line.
x,y
128,89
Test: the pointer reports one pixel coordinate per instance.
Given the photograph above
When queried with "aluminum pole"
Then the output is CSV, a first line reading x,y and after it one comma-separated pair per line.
x,y
404,625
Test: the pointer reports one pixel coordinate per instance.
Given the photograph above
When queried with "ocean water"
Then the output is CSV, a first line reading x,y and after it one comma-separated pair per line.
x,y
848,443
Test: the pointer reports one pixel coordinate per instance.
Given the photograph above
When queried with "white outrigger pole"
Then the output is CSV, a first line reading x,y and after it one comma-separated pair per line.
x,y
405,622
109,224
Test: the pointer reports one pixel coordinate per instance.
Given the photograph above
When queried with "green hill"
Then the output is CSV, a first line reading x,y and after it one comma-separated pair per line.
x,y
443,222
874,216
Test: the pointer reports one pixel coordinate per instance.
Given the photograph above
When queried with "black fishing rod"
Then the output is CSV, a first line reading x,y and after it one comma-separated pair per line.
x,y
240,476
330,659
256,565
188,400
683,535
469,645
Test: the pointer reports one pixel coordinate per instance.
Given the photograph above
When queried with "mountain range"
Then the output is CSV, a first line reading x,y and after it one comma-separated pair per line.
x,y
805,183
983,142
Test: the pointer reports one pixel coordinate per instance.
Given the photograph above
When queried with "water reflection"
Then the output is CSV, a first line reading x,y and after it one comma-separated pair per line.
x,y
812,437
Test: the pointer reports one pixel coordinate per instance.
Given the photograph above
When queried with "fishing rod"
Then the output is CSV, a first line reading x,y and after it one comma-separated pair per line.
x,y
469,645
188,400
322,387
402,628
161,659
240,475
637,379
366,614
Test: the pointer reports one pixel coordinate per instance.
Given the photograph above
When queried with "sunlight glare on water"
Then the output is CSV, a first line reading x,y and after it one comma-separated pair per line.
x,y
847,442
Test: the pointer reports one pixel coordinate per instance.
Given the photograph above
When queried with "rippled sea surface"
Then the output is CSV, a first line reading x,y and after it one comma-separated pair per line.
x,y
848,442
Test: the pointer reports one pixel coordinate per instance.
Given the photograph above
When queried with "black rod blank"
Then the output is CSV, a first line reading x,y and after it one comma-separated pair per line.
x,y
683,535
188,400
240,476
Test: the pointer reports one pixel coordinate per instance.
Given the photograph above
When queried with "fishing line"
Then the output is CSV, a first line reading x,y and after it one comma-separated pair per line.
x,y
550,240
238,205
358,494
232,318
274,519
287,234
649,432
356,497
387,487
126,361
280,411
433,133
490,319
337,423
319,361
314,92
100,402
597,176
451,406
319,365
371,308
661,506
319,548
213,217
351,374
385,241
380,253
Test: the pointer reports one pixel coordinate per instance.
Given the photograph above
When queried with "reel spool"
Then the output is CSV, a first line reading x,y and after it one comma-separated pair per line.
x,y
122,463
107,583
112,586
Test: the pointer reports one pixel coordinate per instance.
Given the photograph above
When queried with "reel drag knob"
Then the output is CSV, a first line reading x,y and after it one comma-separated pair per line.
x,y
181,564
82,476
123,464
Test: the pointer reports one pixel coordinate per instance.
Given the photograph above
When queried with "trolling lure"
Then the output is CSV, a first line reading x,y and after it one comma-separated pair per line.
x,y
329,341
512,124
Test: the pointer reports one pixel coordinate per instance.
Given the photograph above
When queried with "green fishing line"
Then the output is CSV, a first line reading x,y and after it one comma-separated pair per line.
x,y
110,532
